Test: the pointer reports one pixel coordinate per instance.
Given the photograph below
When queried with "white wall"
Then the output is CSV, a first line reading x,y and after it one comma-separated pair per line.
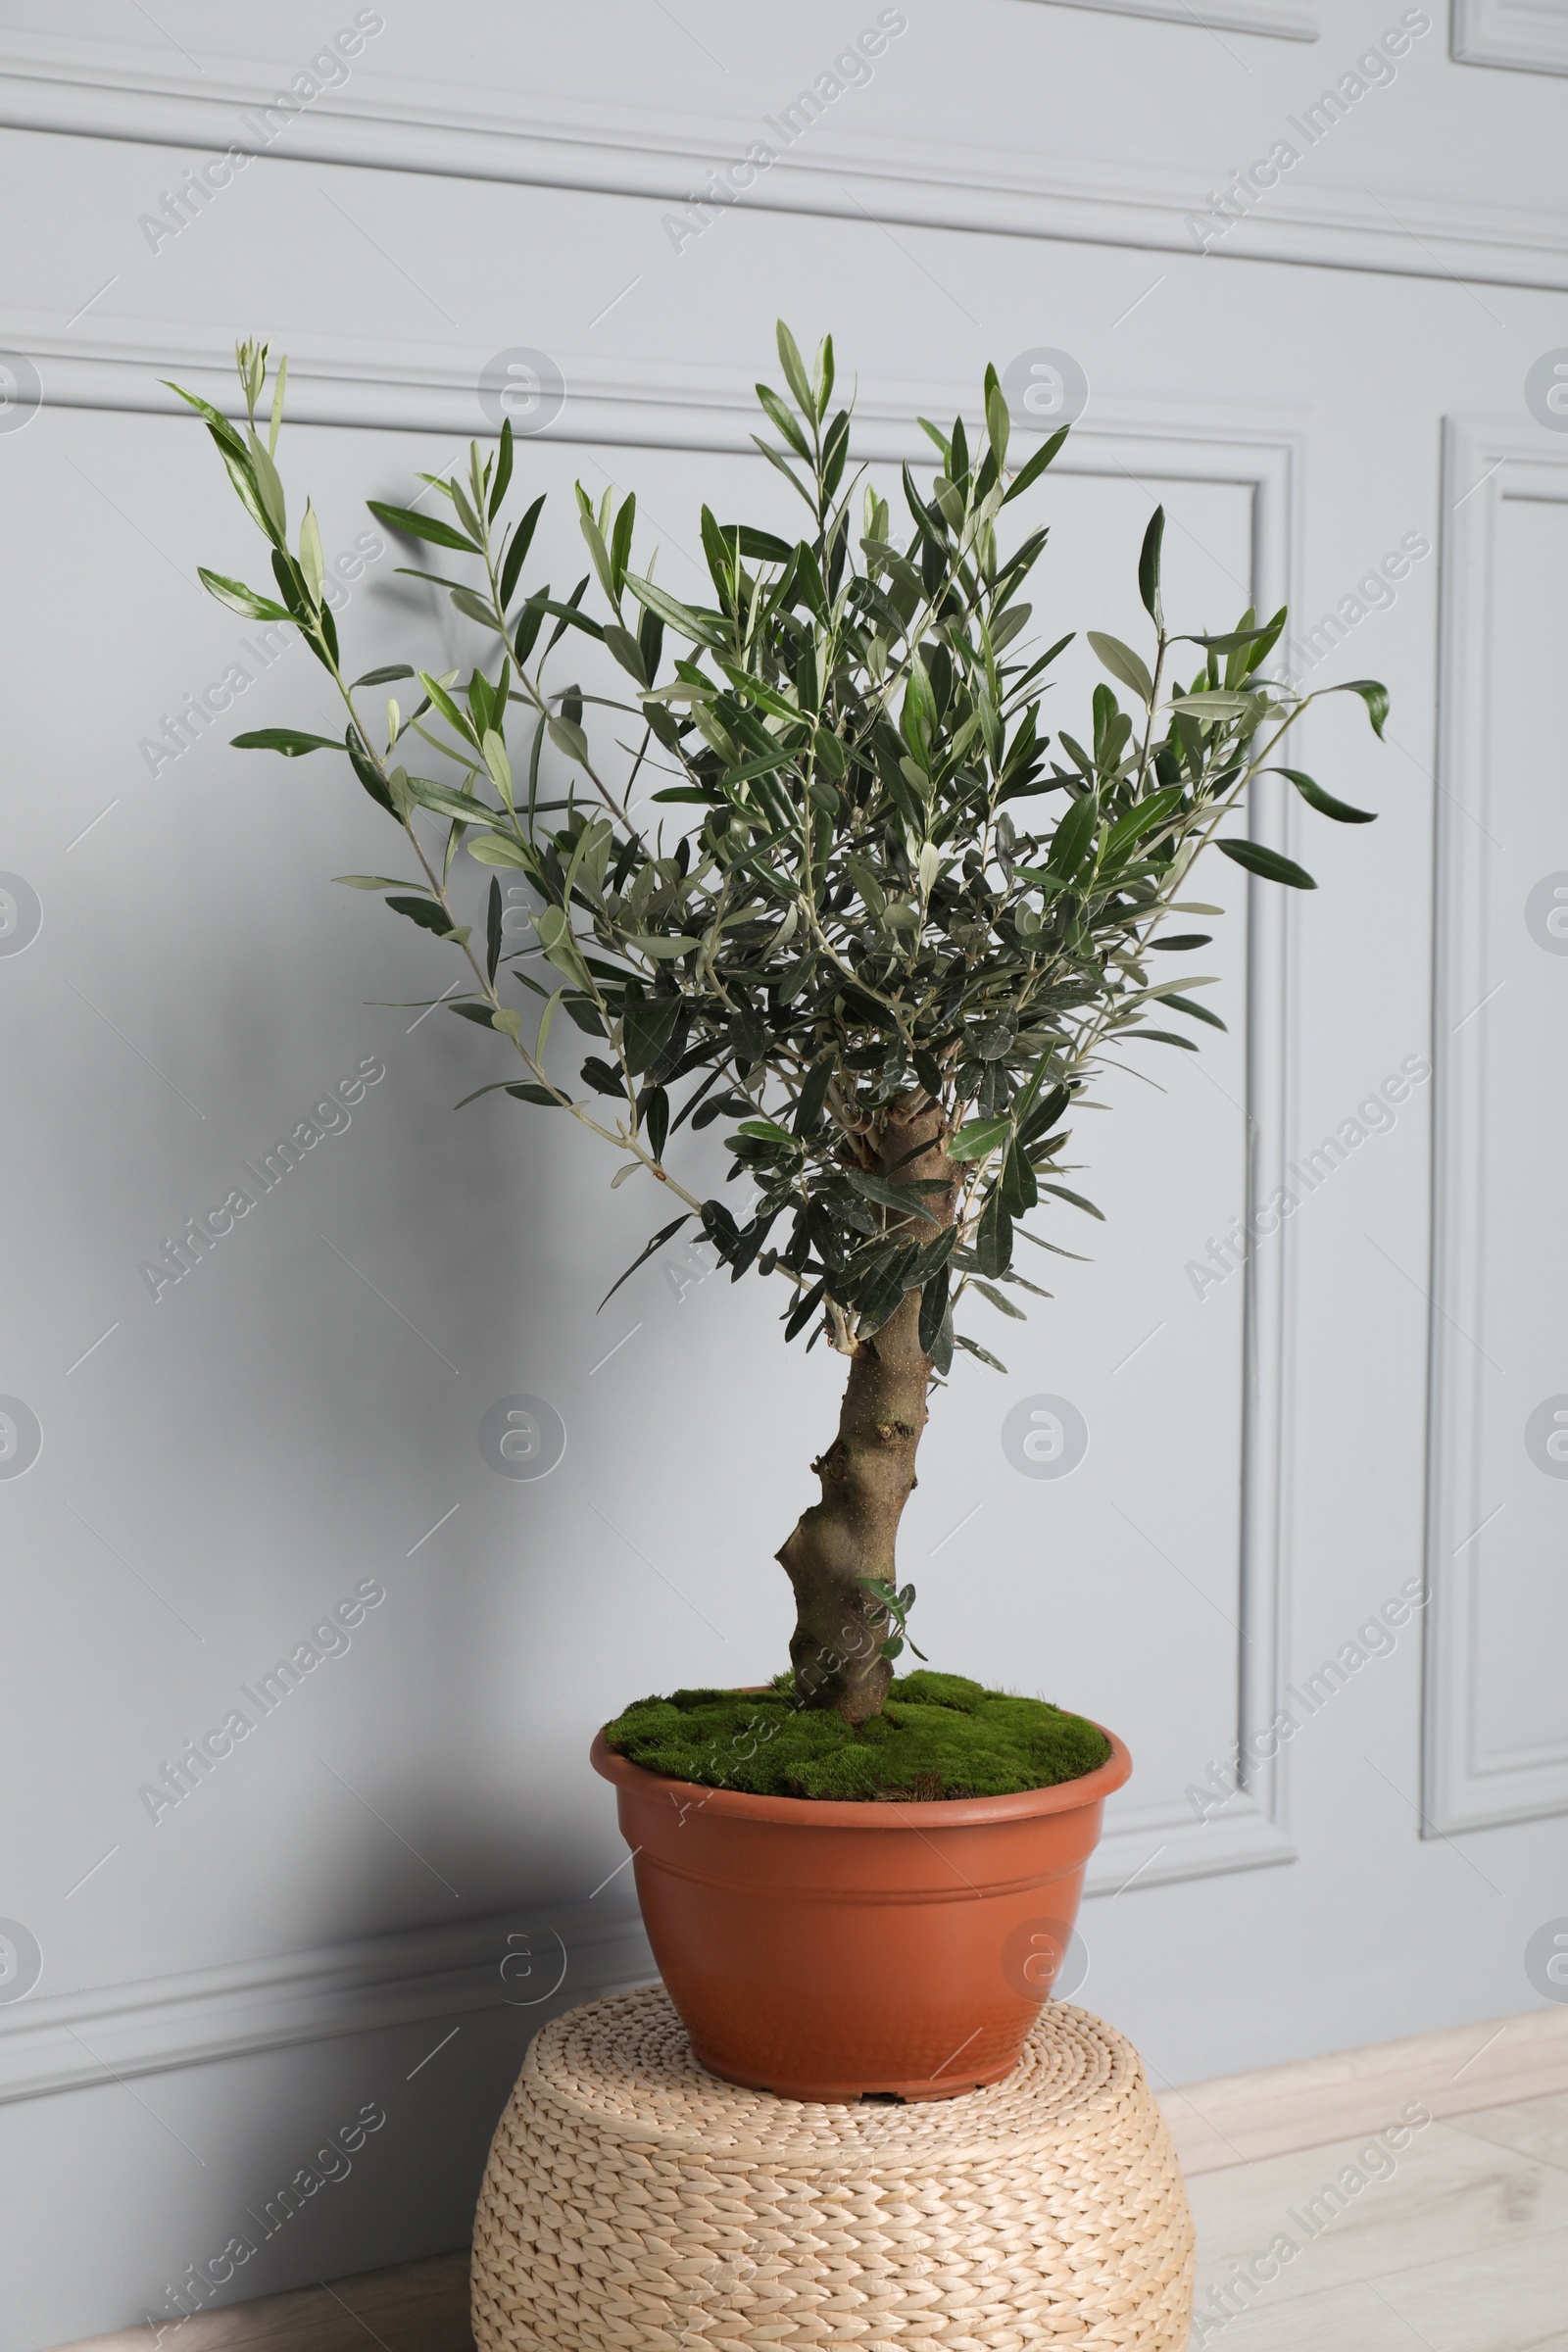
x,y
1341,372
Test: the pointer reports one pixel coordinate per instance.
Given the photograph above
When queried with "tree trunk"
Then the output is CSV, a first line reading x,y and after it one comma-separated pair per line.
x,y
867,1473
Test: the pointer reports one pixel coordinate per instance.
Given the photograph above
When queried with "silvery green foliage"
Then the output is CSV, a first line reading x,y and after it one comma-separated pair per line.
x,y
880,880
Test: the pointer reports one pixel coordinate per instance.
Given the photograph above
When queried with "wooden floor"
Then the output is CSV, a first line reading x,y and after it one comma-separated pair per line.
x,y
1454,2238
1457,2240
415,2307
1462,2247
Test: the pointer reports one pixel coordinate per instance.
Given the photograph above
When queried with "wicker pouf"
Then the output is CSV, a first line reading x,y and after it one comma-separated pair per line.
x,y
634,2203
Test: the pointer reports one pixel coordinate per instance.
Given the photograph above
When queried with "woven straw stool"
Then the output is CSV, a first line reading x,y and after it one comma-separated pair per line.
x,y
633,2203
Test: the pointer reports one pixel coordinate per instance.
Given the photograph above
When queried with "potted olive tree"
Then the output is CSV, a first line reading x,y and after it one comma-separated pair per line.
x,y
848,900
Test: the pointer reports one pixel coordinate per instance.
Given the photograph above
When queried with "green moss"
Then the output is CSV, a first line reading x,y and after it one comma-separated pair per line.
x,y
938,1736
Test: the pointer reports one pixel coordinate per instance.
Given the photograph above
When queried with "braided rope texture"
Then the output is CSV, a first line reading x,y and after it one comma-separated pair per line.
x,y
634,2203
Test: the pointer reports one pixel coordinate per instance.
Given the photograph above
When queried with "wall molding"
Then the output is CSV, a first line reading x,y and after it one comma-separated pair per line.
x,y
433,388
95,89
1529,35
1160,1846
55,2043
1276,19
1483,465
67,2040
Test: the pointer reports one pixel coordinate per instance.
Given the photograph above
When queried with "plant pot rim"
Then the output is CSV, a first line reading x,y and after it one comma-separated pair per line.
x,y
865,1813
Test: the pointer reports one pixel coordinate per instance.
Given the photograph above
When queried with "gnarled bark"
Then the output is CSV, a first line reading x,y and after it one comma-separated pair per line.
x,y
867,1473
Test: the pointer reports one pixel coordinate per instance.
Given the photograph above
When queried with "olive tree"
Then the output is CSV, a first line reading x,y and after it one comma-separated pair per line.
x,y
840,894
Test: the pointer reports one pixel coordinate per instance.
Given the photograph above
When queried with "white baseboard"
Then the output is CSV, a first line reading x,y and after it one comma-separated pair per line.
x,y
1237,2119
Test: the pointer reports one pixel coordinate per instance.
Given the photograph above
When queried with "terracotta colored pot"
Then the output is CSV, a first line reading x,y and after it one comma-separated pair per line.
x,y
828,1950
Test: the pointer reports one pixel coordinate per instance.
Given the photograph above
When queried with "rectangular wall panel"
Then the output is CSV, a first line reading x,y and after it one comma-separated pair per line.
x,y
1498,1665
